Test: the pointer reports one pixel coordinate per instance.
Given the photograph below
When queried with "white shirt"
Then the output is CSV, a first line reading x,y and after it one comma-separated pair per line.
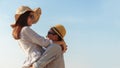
x,y
31,43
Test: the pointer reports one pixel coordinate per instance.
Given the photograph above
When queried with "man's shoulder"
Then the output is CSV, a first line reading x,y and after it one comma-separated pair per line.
x,y
57,46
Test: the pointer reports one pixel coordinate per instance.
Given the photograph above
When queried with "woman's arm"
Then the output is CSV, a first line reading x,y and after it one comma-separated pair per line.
x,y
37,39
62,44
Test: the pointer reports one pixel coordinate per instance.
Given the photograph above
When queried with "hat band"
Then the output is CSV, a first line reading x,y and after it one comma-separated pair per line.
x,y
58,32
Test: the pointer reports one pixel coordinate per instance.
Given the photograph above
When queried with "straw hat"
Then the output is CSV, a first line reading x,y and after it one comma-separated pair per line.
x,y
60,30
23,9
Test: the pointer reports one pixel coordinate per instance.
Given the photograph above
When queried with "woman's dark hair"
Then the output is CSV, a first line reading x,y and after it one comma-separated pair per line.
x,y
19,24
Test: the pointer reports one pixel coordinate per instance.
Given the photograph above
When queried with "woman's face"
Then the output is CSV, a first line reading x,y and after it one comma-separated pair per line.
x,y
30,19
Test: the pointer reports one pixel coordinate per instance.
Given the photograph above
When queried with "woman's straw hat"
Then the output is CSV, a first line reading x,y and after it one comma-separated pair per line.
x,y
60,30
23,9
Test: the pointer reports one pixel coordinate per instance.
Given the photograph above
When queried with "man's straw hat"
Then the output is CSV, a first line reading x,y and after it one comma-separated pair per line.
x,y
60,30
23,9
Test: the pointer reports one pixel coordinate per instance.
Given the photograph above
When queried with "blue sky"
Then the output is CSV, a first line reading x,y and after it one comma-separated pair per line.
x,y
93,31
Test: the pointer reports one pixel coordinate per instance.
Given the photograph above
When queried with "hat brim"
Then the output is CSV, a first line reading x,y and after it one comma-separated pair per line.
x,y
37,13
57,33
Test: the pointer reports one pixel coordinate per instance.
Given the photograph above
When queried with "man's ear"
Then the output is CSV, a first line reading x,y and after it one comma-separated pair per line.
x,y
56,37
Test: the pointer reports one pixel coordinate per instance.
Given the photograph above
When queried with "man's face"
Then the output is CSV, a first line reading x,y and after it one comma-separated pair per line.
x,y
52,35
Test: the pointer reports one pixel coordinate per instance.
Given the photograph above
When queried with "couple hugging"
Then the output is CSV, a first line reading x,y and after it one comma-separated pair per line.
x,y
41,52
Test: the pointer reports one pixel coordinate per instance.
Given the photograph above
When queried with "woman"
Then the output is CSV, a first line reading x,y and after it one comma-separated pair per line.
x,y
29,40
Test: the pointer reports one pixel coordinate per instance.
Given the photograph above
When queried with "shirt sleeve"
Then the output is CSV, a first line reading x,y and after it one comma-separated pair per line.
x,y
52,53
35,38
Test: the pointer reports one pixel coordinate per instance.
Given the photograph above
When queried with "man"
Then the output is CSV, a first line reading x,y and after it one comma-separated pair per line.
x,y
53,56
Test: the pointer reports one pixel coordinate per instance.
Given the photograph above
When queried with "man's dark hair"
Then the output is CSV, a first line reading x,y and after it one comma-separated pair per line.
x,y
59,38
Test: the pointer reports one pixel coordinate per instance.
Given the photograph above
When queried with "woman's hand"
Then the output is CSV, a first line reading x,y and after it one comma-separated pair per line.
x,y
62,44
